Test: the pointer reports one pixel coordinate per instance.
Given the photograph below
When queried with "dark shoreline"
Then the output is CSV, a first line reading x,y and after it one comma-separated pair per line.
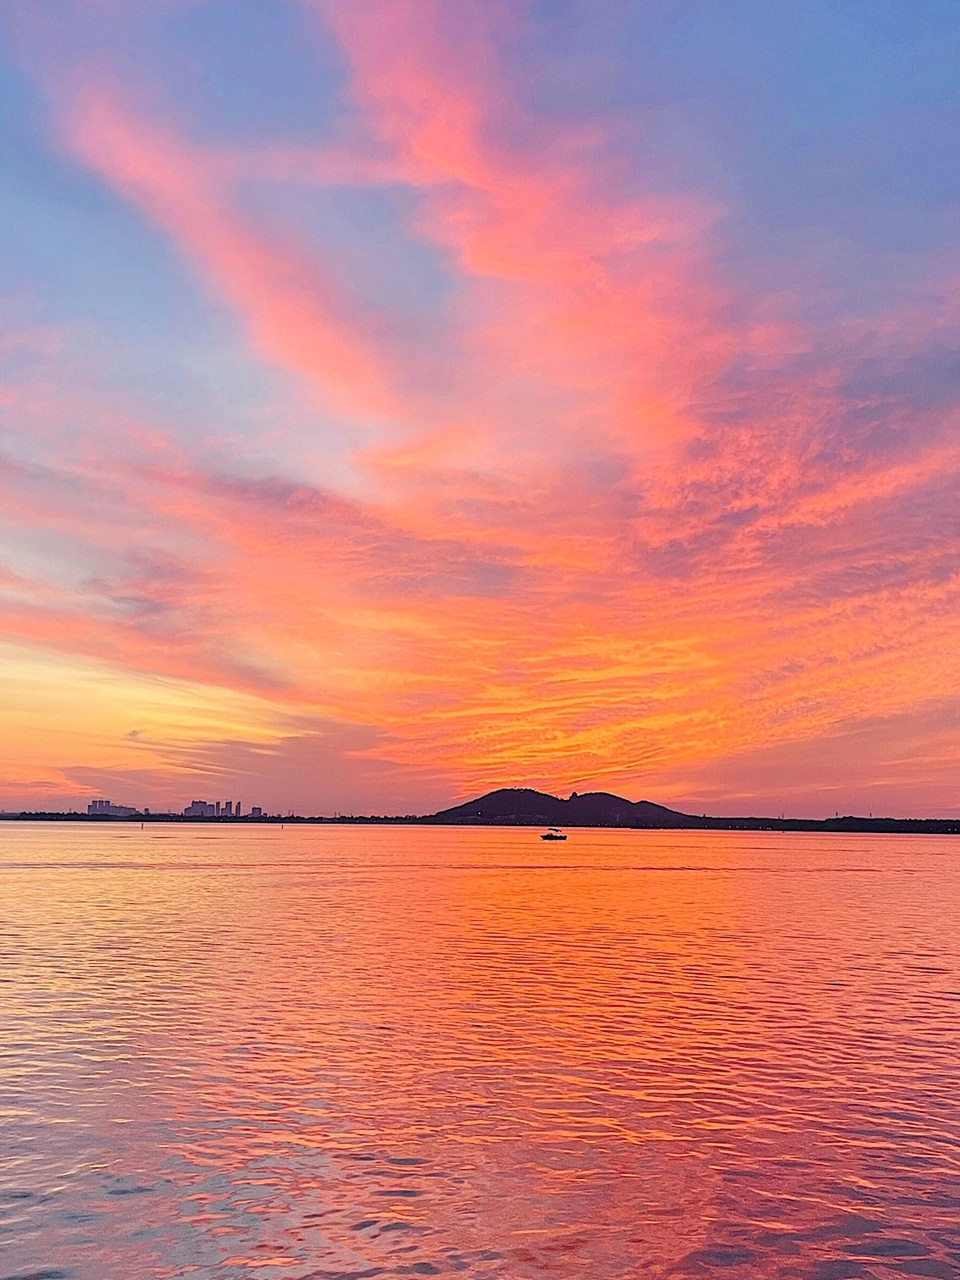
x,y
847,824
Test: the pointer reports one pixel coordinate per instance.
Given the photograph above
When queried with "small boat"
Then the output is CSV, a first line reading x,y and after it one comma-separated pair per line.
x,y
553,834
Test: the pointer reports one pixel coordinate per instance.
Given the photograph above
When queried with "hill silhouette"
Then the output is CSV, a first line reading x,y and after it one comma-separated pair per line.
x,y
522,806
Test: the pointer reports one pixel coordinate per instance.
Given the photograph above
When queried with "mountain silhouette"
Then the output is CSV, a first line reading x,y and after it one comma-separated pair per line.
x,y
521,806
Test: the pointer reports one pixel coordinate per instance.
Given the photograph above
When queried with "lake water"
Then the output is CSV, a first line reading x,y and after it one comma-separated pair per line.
x,y
397,1051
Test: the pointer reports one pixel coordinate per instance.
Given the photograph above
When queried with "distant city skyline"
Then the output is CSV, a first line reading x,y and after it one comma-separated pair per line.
x,y
407,398
195,809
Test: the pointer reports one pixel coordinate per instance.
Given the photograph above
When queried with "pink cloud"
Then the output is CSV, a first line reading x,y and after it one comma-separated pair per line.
x,y
291,312
606,297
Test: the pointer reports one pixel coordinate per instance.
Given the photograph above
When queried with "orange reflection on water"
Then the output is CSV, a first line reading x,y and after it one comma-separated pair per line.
x,y
350,1051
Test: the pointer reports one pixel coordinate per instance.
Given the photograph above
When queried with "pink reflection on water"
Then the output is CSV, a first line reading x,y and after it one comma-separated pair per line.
x,y
358,1051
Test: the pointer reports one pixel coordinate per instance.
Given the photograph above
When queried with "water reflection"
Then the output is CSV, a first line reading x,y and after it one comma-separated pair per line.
x,y
334,1052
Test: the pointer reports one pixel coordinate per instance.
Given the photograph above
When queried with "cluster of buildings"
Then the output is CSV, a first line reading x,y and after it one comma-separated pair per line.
x,y
214,809
107,809
219,809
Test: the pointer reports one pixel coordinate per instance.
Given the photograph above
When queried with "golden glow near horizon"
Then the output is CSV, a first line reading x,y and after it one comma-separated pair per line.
x,y
450,401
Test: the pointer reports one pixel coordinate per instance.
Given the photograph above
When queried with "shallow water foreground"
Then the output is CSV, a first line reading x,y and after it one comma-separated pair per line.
x,y
359,1051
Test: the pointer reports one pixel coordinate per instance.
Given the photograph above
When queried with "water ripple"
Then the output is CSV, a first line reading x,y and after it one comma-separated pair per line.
x,y
356,1052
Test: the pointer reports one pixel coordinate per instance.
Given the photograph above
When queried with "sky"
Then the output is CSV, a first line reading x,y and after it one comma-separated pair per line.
x,y
405,398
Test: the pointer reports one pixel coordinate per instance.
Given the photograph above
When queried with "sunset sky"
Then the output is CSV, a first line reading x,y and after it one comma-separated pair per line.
x,y
404,398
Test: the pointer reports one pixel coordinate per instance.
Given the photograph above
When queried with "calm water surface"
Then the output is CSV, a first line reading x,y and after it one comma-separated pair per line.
x,y
360,1051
